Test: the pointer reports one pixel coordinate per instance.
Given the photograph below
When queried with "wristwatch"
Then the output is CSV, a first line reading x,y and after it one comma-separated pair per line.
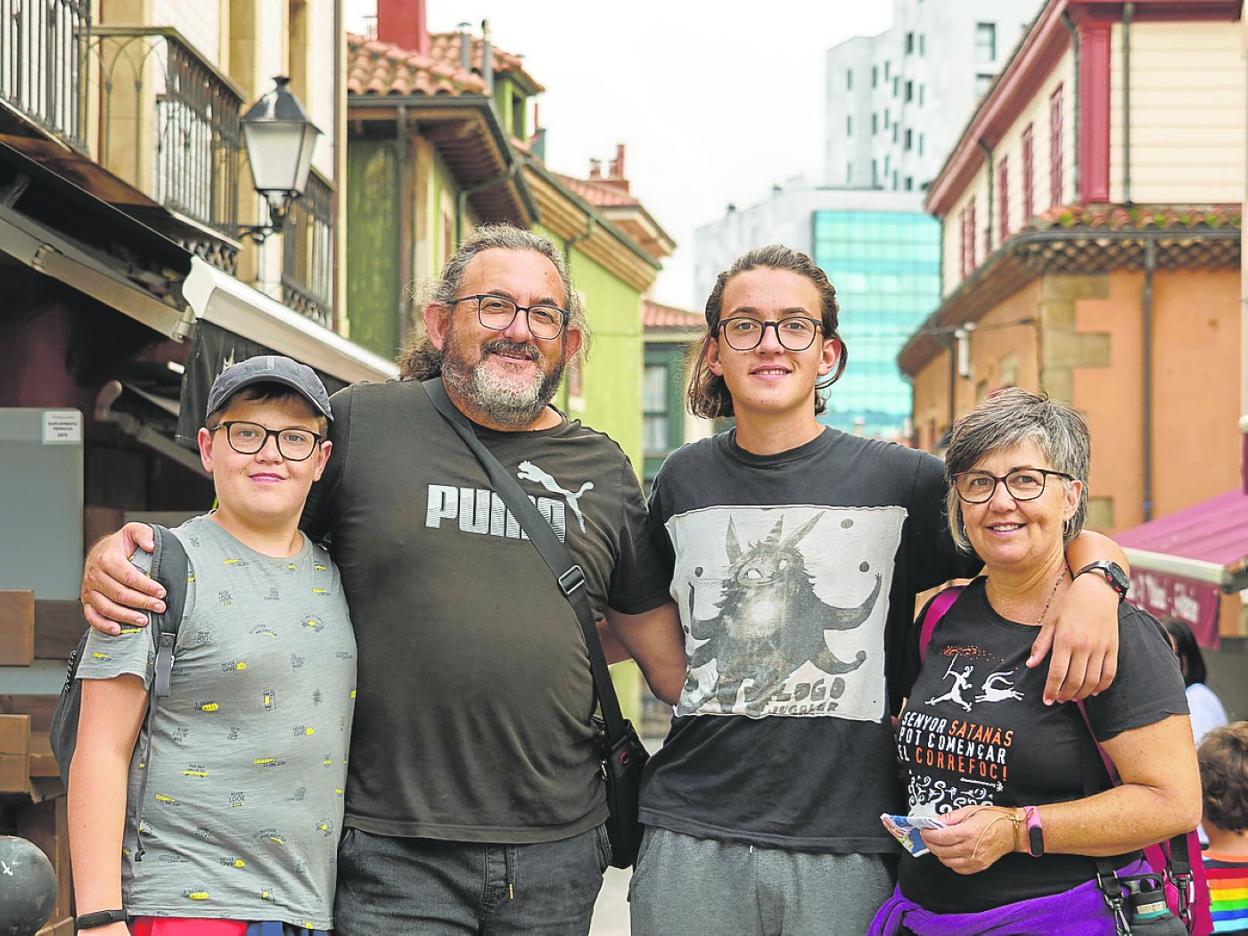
x,y
97,918
1113,574
1035,831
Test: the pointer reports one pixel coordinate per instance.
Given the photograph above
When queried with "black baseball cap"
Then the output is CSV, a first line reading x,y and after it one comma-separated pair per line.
x,y
270,368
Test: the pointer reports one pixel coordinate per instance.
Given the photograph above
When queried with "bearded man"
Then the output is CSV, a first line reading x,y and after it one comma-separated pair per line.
x,y
474,802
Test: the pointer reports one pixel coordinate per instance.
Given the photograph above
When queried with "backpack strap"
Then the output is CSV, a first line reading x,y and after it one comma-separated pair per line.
x,y
937,608
171,568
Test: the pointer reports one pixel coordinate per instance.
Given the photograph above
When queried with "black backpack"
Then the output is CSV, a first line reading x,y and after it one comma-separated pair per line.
x,y
170,567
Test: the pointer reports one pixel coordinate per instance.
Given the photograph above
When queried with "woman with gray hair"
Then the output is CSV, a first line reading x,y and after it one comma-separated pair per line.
x,y
1022,821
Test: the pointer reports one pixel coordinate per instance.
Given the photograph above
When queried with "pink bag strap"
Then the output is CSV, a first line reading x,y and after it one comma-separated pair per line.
x,y
936,610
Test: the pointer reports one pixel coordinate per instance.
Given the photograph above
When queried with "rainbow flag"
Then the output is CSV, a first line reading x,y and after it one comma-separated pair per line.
x,y
1228,892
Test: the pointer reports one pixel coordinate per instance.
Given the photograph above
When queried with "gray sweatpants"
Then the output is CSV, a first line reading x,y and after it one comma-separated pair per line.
x,y
686,886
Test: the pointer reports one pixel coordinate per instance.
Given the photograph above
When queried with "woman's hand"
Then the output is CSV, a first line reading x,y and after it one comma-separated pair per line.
x,y
974,837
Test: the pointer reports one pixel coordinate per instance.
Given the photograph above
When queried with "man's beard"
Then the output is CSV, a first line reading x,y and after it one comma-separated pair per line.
x,y
504,401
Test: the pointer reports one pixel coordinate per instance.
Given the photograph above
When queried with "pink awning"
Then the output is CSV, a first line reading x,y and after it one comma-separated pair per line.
x,y
1207,542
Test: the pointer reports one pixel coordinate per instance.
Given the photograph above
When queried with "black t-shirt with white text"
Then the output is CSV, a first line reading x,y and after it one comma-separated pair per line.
x,y
976,731
472,721
795,576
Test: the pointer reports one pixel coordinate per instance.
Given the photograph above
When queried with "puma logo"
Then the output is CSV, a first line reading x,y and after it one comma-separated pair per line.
x,y
530,472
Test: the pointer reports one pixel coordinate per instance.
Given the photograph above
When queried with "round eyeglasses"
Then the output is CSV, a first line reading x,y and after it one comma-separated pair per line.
x,y
247,438
1022,484
796,333
497,313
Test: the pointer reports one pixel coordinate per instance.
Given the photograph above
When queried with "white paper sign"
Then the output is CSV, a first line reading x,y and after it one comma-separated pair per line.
x,y
62,427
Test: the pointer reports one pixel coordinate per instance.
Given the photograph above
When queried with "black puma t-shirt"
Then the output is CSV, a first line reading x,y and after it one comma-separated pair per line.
x,y
472,721
795,576
976,730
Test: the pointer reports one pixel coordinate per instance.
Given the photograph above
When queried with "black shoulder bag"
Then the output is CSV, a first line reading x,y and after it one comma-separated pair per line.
x,y
623,755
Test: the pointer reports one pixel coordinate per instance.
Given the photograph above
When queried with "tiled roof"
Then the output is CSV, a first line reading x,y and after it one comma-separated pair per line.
x,y
657,315
444,47
375,67
599,194
1138,217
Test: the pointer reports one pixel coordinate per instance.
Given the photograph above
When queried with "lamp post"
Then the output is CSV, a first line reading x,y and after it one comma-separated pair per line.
x,y
280,139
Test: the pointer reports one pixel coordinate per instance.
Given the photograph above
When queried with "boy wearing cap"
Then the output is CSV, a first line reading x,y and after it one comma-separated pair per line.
x,y
243,802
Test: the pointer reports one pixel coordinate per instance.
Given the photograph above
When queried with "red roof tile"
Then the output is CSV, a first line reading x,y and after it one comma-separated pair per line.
x,y
600,194
657,315
1139,217
445,48
375,67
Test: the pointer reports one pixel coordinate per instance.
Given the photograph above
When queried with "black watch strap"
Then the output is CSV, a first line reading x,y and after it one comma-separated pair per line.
x,y
1112,572
97,918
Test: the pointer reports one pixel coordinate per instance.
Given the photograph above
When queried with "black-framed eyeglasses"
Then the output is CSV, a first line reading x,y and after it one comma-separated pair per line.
x,y
1022,484
497,313
796,332
247,438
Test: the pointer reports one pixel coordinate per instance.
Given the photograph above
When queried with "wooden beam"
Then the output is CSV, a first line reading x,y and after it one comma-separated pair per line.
x,y
17,628
59,625
47,825
14,753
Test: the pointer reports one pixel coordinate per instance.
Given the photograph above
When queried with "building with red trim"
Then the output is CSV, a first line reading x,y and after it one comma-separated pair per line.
x,y
1091,217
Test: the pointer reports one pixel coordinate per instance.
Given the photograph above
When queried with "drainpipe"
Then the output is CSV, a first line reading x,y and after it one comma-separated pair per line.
x,y
1146,315
991,183
568,244
461,200
1074,104
338,296
1128,11
402,243
487,59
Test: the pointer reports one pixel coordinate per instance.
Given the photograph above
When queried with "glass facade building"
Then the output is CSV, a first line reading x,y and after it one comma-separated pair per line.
x,y
886,270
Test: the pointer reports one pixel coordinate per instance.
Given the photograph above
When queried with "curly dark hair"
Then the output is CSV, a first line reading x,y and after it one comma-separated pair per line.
x,y
1223,756
708,394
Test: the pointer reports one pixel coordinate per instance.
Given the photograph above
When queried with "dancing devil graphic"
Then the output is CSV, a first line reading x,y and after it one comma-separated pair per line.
x,y
770,621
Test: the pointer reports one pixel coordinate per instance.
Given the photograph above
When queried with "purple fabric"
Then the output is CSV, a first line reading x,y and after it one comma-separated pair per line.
x,y
1079,910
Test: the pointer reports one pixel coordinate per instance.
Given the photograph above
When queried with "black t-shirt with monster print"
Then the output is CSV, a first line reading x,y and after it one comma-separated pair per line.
x,y
976,730
795,576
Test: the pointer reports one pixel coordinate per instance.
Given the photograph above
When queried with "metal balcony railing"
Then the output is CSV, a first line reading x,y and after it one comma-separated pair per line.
x,y
170,120
308,253
43,52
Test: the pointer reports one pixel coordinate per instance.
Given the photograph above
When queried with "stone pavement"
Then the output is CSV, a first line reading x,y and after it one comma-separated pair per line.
x,y
611,911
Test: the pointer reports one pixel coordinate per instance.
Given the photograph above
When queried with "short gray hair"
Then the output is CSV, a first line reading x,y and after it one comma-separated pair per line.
x,y
1010,417
419,359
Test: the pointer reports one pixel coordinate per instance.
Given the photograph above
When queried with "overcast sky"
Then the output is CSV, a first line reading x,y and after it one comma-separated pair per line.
x,y
716,101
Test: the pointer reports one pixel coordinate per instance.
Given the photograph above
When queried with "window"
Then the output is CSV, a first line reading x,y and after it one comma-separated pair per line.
x,y
909,183
654,406
875,173
909,91
1055,148
909,138
970,234
886,67
886,118
896,127
922,44
894,180
909,43
849,172
849,125
982,84
887,160
985,43
920,144
1029,177
1003,199
962,249
849,80
922,95
875,75
875,123
896,85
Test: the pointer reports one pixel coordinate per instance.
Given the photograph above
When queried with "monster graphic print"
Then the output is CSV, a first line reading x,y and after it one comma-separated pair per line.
x,y
784,609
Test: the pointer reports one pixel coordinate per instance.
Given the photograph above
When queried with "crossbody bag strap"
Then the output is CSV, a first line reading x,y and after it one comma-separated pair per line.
x,y
569,576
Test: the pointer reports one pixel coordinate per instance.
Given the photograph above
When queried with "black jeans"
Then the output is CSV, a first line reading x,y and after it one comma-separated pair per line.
x,y
390,885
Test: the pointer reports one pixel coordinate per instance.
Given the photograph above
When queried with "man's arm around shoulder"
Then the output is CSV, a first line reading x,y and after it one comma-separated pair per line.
x,y
652,638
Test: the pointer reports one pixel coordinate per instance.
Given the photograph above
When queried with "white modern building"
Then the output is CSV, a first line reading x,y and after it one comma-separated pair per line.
x,y
897,102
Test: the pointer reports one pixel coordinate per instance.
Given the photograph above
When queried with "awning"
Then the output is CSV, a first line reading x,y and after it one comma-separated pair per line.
x,y
1181,563
218,298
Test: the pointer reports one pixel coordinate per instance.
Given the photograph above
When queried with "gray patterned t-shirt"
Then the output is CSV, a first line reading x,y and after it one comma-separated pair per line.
x,y
248,762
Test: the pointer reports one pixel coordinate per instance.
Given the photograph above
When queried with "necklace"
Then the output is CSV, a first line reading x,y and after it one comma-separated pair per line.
x,y
1051,594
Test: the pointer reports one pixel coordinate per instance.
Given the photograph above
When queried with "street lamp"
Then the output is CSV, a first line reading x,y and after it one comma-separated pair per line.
x,y
280,138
